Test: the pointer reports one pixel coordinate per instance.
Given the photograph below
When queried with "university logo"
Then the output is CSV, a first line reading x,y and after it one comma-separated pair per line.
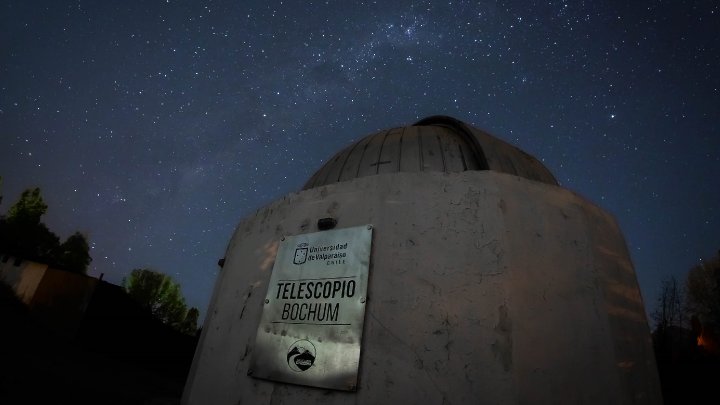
x,y
301,253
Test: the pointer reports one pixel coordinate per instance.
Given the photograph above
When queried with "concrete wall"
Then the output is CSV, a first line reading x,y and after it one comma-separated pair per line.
x,y
56,298
23,277
483,288
61,299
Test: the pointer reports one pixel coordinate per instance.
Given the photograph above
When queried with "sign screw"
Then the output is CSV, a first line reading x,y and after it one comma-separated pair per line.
x,y
369,226
267,301
283,238
362,300
250,371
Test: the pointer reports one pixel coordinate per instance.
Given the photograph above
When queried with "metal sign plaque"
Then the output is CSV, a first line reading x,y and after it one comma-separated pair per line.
x,y
312,319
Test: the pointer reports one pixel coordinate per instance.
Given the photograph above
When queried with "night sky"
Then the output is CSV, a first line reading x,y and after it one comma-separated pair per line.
x,y
155,126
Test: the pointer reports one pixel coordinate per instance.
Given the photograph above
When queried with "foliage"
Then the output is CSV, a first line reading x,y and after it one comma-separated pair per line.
x,y
22,234
73,254
189,324
162,297
34,242
29,208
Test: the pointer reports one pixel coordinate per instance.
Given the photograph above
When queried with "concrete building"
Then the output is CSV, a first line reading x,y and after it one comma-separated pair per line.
x,y
57,298
487,283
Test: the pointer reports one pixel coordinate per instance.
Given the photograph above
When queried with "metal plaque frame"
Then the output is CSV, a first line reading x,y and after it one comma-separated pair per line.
x,y
314,310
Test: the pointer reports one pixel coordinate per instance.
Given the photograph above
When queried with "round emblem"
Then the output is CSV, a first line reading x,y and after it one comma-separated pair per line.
x,y
301,355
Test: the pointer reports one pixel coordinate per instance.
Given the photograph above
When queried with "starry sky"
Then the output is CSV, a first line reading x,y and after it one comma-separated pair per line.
x,y
154,127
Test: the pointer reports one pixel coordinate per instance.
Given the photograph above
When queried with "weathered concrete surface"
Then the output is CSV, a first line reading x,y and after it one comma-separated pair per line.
x,y
433,144
23,277
57,298
484,288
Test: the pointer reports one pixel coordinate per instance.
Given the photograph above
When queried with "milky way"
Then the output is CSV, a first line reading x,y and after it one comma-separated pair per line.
x,y
154,127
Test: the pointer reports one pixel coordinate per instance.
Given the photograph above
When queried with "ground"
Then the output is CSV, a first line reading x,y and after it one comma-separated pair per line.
x,y
38,367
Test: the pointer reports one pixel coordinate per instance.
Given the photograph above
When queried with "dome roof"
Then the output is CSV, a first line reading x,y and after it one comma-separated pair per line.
x,y
438,144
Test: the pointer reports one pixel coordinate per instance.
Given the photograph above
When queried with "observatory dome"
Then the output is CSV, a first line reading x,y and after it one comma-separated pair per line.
x,y
434,144
431,263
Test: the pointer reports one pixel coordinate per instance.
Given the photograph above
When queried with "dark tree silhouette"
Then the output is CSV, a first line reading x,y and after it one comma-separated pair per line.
x,y
189,324
22,234
72,255
703,290
28,209
686,335
670,310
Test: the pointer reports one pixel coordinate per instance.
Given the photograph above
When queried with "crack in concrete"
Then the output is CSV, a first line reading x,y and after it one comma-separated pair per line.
x,y
247,297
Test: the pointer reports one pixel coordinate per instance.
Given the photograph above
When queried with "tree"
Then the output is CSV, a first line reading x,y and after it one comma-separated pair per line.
x,y
159,294
22,234
73,254
670,335
671,305
703,289
189,324
28,209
